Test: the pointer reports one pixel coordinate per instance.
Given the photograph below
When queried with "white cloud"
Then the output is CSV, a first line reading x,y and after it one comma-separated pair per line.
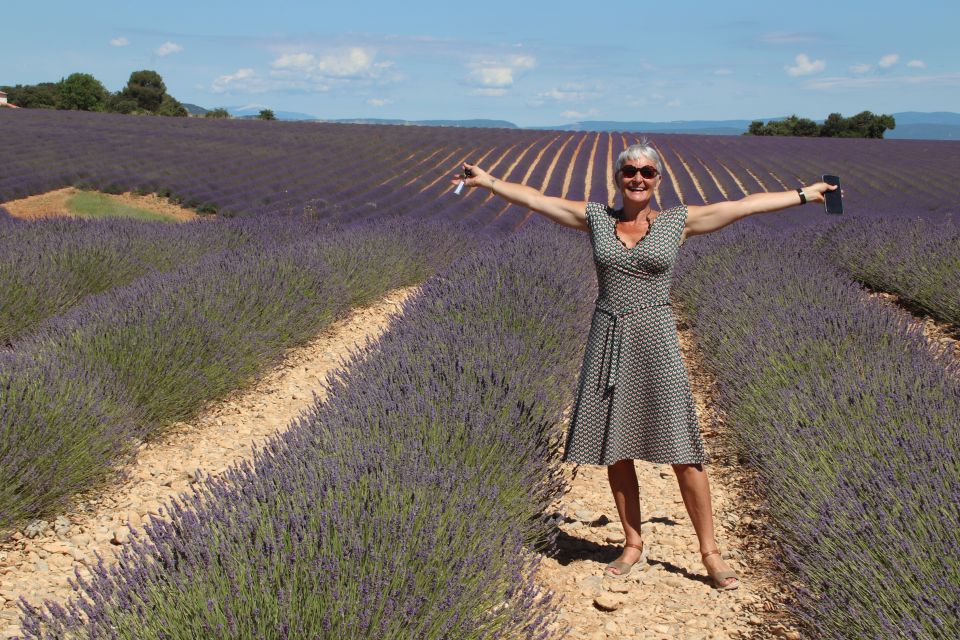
x,y
334,68
167,48
888,60
350,62
861,68
242,80
805,66
119,42
722,72
917,64
379,102
493,76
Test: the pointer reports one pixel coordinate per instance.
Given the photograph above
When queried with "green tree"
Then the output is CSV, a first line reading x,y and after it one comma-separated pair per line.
x,y
147,89
121,102
33,96
81,92
267,114
219,112
835,126
757,128
170,106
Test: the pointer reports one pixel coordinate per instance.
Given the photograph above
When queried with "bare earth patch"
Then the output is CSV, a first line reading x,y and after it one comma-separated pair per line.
x,y
669,597
54,204
225,433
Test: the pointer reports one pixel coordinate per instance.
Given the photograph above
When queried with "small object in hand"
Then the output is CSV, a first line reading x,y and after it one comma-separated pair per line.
x,y
466,174
832,200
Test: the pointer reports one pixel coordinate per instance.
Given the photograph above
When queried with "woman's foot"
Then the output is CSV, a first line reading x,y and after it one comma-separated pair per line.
x,y
632,554
722,576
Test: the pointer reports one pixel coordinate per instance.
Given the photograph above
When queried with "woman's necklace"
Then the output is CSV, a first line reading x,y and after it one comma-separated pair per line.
x,y
649,222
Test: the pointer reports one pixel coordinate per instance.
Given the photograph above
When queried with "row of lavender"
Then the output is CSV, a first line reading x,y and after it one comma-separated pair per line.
x,y
350,171
916,259
851,420
406,505
51,266
81,390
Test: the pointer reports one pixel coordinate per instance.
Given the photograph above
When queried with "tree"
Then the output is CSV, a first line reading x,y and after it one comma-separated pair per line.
x,y
170,106
120,102
863,125
267,114
147,89
219,112
33,96
81,92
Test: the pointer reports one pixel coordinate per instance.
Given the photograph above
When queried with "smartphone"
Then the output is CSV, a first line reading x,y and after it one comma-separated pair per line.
x,y
833,200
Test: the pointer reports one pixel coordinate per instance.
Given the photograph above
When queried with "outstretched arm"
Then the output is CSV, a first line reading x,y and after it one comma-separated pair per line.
x,y
570,213
709,218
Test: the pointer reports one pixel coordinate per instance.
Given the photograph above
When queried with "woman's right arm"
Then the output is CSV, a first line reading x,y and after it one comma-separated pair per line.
x,y
570,213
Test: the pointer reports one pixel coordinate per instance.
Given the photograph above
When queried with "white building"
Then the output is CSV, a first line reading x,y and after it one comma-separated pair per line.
x,y
3,98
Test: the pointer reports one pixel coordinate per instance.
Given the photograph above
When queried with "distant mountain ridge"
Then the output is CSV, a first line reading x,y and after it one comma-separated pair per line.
x,y
918,125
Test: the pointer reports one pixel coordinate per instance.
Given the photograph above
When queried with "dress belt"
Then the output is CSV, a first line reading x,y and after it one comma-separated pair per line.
x,y
612,340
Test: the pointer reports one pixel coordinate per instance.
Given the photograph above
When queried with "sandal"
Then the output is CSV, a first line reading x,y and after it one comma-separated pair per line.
x,y
623,568
718,578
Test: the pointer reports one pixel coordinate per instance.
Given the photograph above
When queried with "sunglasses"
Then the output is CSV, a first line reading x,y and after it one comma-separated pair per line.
x,y
647,171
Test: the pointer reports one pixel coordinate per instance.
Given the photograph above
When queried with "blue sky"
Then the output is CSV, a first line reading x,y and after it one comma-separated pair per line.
x,y
533,63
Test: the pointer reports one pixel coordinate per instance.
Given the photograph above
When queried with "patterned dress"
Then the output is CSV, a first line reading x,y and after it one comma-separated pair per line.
x,y
633,399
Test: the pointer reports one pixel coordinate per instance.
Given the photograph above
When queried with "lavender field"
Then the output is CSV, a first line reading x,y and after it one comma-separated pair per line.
x,y
848,415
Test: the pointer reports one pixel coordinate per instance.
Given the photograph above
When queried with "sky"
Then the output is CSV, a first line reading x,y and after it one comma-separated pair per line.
x,y
533,63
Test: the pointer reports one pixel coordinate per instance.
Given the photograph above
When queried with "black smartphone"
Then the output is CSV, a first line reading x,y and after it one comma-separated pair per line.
x,y
833,200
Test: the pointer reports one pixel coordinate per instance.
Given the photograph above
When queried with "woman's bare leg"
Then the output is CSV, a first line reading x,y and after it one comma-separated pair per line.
x,y
695,490
626,494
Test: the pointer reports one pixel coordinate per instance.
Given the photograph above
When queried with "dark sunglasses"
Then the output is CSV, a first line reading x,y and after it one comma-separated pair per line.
x,y
647,171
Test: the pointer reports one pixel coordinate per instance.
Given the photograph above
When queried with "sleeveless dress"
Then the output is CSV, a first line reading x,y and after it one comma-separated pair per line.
x,y
633,398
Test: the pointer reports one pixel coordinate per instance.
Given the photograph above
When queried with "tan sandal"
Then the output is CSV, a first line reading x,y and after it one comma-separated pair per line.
x,y
718,578
623,568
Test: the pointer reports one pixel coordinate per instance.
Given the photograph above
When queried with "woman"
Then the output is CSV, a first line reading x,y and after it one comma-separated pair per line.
x,y
633,400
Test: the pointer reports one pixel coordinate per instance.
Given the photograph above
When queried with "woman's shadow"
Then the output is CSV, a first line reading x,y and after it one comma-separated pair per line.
x,y
569,548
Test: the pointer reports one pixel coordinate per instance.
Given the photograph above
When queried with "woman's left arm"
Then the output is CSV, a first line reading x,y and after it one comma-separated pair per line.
x,y
708,218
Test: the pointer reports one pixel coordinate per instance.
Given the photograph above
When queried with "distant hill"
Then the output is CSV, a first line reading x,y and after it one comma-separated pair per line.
x,y
195,110
489,124
252,111
706,127
936,125
917,125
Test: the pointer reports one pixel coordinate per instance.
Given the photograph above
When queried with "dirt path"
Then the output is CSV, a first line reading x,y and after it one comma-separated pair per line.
x,y
669,597
37,568
54,204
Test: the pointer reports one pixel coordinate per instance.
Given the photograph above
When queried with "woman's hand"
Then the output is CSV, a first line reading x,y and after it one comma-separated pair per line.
x,y
478,177
814,192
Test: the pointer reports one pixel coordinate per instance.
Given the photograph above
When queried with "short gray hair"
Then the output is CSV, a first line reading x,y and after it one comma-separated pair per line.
x,y
635,151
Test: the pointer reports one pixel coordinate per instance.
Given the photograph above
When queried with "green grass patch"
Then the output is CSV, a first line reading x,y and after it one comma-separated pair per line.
x,y
90,204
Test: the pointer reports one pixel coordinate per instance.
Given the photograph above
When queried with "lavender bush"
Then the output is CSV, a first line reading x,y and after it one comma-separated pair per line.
x,y
916,259
172,341
406,505
852,422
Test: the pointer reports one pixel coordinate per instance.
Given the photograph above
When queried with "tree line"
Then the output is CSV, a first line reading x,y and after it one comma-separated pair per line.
x,y
145,93
863,125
